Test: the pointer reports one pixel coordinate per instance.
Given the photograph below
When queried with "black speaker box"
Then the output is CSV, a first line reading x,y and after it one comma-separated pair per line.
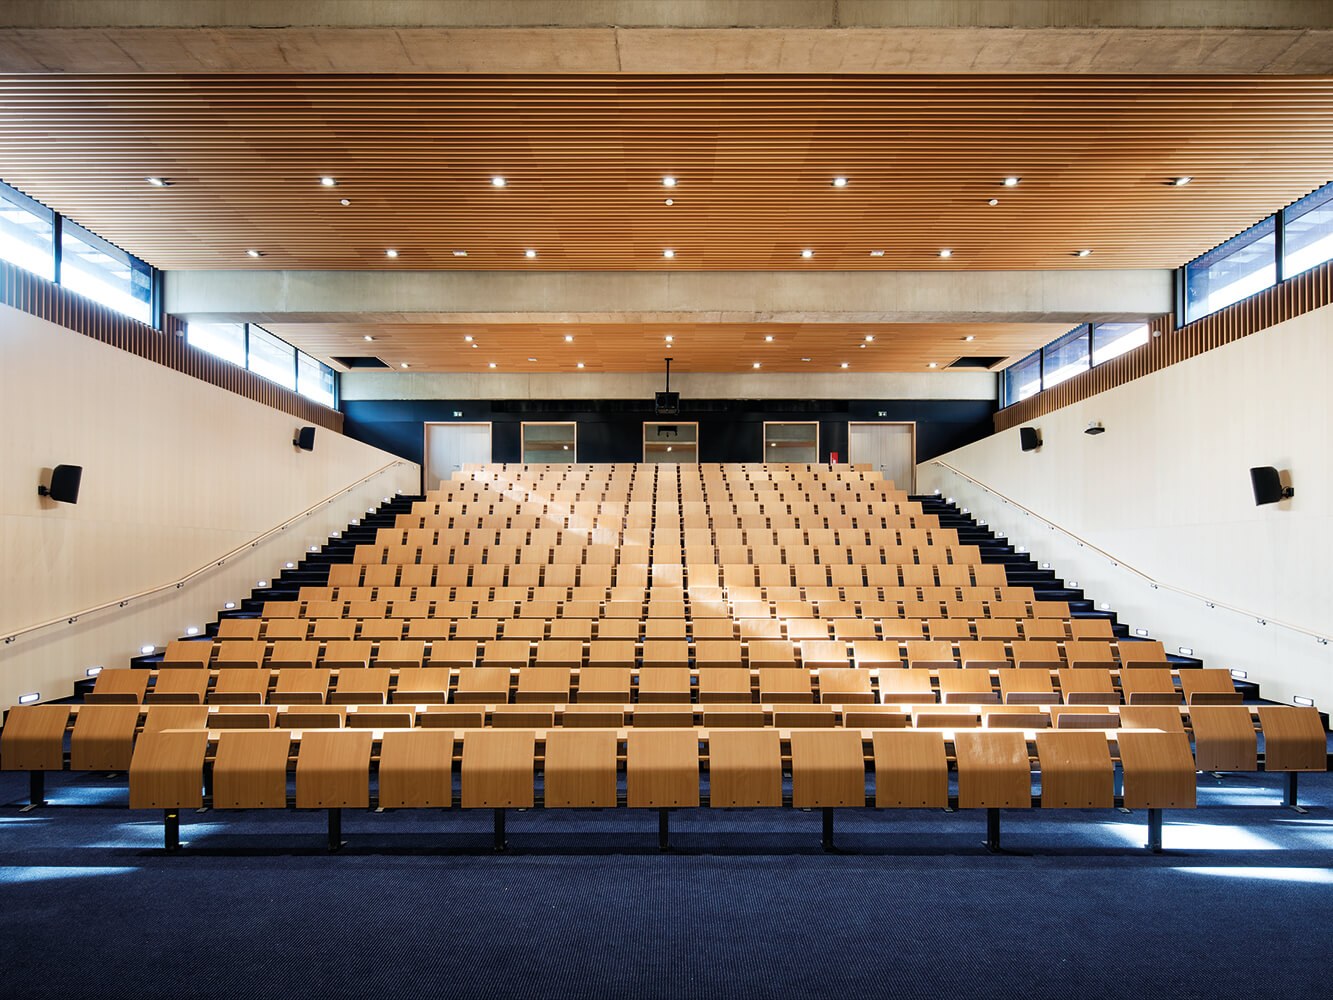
x,y
305,439
1029,438
1268,486
64,484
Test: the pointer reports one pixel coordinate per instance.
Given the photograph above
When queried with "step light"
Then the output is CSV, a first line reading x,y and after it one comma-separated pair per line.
x,y
262,583
1185,651
93,671
1141,632
1072,583
1299,699
192,630
1104,606
1045,565
147,650
230,606
291,565
29,699
315,548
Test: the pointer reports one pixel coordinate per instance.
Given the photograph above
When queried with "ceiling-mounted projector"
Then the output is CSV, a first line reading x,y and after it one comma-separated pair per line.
x,y
667,404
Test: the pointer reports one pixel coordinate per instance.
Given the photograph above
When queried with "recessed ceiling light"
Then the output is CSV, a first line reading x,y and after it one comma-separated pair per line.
x,y
404,364
467,337
474,347
844,364
1082,253
580,364
497,181
1180,182
328,182
492,364
668,182
532,359
862,346
158,182
367,337
993,202
869,337
840,182
768,339
970,337
946,253
671,201
877,253
932,365
569,338
668,254
1011,182
391,253
253,253
668,338
755,365
805,359
344,201
807,254
529,254
460,253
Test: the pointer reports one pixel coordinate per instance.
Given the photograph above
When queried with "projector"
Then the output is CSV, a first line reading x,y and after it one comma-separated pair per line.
x,y
666,404
1095,427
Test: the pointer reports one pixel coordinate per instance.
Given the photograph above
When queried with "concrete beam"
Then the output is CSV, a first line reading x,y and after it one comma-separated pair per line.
x,y
980,385
1066,296
686,36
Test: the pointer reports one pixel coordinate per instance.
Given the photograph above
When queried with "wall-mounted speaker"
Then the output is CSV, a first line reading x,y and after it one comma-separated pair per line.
x,y
1029,438
64,486
1268,486
305,439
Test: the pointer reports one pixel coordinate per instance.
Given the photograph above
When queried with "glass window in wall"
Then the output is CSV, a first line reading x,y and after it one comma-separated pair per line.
x,y
1308,232
94,268
272,358
1110,340
223,340
795,442
1241,266
670,442
314,379
1066,357
1023,379
27,233
548,443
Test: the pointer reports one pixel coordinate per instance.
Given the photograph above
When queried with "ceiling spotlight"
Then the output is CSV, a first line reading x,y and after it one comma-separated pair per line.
x,y
671,201
403,364
668,338
840,182
532,359
367,337
1082,253
862,346
569,338
497,181
669,182
946,253
993,202
158,182
869,337
460,253
755,365
768,339
970,337
807,254
467,337
580,364
530,254
932,364
344,201
491,365
805,359
877,253
1011,182
474,347
391,253
253,253
1180,182
668,254
844,364
328,182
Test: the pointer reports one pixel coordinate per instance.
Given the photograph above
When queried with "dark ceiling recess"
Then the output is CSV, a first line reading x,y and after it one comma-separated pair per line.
x,y
975,363
348,362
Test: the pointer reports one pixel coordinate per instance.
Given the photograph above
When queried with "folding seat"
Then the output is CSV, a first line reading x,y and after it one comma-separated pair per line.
x,y
1091,628
845,685
953,629
930,654
1026,686
1036,653
302,686
1208,686
422,685
967,686
1089,653
785,684
340,653
988,654
1148,686
506,653
188,653
1142,653
360,686
482,685
729,684
664,683
232,653
997,629
607,678
1087,686
546,684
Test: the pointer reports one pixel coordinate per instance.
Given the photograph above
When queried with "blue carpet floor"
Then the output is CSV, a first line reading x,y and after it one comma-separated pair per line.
x,y
746,904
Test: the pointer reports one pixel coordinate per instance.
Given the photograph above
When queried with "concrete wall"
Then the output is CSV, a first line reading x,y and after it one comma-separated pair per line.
x,y
176,473
1166,490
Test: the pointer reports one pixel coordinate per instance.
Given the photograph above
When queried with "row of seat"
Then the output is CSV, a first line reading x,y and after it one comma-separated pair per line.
x,y
564,679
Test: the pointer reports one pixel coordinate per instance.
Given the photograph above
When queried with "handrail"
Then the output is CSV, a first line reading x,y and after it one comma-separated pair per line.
x,y
210,565
1118,562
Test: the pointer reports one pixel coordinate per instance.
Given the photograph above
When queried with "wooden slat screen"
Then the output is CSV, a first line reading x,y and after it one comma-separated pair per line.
x,y
33,294
1303,293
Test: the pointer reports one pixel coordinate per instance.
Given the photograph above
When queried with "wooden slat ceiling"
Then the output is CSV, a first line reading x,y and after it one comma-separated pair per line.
x,y
584,158
641,347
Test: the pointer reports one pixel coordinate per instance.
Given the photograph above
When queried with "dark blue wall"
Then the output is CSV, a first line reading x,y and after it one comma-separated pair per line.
x,y
730,430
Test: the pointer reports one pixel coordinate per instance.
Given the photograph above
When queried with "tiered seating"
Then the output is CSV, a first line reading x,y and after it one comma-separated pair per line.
x,y
580,623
